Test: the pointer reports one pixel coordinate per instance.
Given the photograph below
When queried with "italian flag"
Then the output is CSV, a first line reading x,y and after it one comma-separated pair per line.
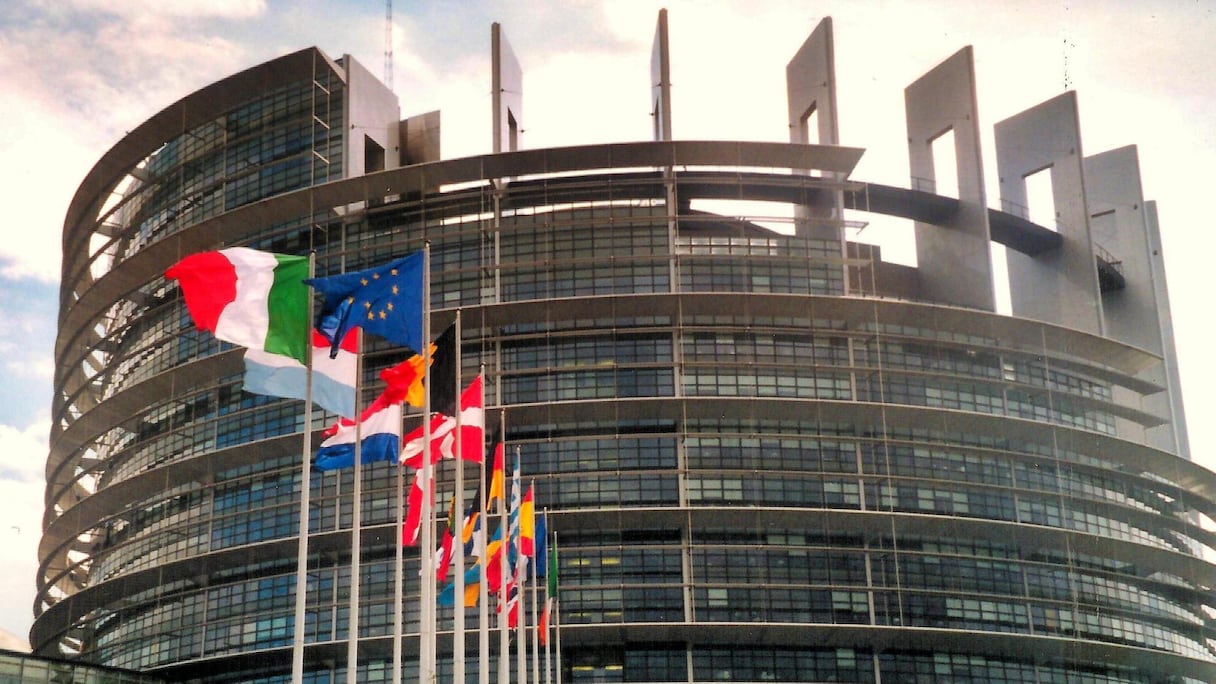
x,y
250,298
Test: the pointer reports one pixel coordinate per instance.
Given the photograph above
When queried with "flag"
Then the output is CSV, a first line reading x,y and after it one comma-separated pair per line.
x,y
543,626
469,528
461,529
472,576
514,507
443,432
444,373
550,588
493,560
380,437
512,603
527,525
385,301
333,380
541,571
406,379
542,544
443,554
249,298
412,526
494,493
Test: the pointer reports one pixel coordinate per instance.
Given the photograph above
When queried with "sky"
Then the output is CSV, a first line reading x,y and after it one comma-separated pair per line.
x,y
78,74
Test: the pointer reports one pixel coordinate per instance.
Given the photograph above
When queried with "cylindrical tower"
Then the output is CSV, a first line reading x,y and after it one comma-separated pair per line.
x,y
767,455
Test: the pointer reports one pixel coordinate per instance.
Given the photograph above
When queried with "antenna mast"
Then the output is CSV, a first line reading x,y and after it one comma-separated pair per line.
x,y
388,43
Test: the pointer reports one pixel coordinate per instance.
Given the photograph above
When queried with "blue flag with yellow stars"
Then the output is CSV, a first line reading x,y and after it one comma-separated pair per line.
x,y
385,301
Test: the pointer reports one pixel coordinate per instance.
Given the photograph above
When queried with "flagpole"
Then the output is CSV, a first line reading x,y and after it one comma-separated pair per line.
x,y
458,664
521,562
399,568
297,641
548,606
483,611
535,624
356,523
557,621
426,594
504,636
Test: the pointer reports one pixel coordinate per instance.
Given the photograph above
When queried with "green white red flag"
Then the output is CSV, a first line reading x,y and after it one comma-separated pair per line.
x,y
249,298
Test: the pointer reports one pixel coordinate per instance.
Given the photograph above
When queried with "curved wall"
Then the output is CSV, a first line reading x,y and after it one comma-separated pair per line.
x,y
754,474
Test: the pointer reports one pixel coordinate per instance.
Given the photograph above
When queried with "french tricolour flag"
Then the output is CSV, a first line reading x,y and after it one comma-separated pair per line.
x,y
381,438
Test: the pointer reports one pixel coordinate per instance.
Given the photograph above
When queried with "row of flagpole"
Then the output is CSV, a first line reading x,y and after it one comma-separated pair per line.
x,y
261,301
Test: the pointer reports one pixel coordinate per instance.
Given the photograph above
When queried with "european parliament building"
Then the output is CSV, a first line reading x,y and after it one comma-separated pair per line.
x,y
768,454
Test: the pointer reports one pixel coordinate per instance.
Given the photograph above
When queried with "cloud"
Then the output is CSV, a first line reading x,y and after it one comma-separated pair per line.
x,y
178,9
24,453
26,347
12,642
74,87
22,462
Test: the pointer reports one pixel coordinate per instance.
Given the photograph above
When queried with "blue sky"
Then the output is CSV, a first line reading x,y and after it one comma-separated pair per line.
x,y
78,74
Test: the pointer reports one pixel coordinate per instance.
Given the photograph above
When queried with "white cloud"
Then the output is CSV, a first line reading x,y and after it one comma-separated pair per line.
x,y
40,369
13,642
178,9
89,83
22,463
23,453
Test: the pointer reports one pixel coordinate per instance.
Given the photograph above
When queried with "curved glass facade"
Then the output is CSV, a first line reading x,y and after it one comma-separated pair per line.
x,y
756,471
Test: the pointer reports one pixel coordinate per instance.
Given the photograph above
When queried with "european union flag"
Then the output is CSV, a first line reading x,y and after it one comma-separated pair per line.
x,y
385,301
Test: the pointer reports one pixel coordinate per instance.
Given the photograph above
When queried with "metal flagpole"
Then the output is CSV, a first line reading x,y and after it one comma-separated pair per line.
x,y
356,522
426,594
521,561
556,616
399,568
535,622
297,641
548,607
504,548
479,544
458,529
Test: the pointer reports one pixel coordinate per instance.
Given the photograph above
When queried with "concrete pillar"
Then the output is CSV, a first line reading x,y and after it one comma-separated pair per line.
x,y
954,256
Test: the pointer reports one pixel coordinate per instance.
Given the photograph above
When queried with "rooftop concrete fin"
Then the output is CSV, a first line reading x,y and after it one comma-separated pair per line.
x,y
373,114
660,81
810,80
1173,377
507,92
1117,223
1059,285
1139,313
420,138
954,254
